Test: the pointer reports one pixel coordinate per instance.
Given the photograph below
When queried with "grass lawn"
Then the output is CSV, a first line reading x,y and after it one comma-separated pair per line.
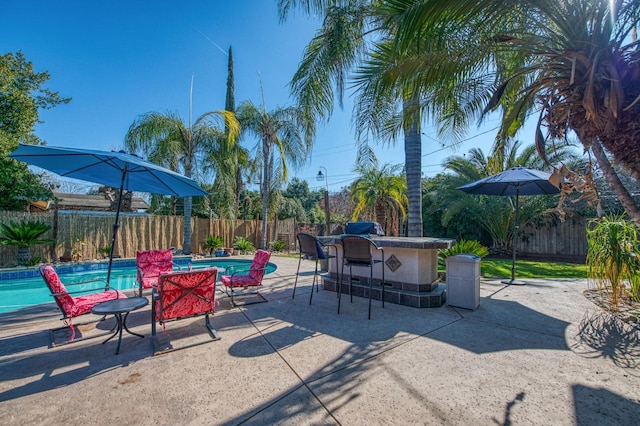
x,y
501,268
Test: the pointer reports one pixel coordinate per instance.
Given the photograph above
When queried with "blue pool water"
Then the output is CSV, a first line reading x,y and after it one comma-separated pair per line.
x,y
27,288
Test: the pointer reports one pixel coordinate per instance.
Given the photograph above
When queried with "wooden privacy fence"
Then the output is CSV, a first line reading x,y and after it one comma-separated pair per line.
x,y
554,238
82,235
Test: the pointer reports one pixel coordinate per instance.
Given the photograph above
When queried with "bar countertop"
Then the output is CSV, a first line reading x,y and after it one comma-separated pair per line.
x,y
424,243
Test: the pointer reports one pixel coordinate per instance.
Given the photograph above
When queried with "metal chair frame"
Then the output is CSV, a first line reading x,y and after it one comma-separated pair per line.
x,y
165,266
234,277
99,290
357,251
313,249
173,280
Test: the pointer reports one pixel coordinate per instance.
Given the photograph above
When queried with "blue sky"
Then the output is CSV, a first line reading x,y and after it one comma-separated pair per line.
x,y
120,59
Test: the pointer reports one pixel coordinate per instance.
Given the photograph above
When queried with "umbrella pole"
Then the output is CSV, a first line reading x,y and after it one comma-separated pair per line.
x,y
513,243
116,225
513,281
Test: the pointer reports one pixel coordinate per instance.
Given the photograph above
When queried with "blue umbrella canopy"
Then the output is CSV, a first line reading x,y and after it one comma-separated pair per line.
x,y
116,169
513,182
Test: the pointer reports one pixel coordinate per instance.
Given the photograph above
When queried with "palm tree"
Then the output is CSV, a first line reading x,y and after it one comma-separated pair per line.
x,y
166,140
379,190
344,42
576,63
286,132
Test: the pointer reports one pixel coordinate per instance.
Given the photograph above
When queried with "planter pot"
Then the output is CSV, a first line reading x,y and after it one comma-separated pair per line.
x,y
229,251
65,258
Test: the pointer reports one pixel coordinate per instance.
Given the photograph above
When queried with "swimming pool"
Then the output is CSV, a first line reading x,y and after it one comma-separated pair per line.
x,y
27,288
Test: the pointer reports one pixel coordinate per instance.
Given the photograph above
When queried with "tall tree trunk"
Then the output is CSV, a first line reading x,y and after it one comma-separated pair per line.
x,y
413,167
380,213
186,247
230,105
266,183
614,182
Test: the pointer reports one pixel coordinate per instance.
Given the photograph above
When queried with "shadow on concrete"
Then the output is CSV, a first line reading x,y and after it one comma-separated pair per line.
x,y
601,334
599,406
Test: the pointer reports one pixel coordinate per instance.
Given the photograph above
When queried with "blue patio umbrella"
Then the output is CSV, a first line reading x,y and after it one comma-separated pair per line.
x,y
513,182
116,169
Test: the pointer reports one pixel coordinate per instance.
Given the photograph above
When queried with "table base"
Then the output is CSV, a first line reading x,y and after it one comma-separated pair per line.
x,y
121,323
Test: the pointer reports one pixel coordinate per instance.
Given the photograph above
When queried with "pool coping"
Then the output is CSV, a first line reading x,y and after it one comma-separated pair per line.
x,y
96,265
68,267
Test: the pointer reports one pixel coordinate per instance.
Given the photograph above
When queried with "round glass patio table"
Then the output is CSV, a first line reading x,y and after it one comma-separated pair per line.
x,y
117,307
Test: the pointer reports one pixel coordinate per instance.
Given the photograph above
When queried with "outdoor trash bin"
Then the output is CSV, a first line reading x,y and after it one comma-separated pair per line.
x,y
463,281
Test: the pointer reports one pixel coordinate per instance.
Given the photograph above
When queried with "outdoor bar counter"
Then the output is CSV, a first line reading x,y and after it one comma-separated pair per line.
x,y
411,271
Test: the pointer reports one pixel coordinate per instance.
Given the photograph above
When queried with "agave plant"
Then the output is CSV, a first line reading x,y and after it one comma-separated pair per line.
x,y
24,234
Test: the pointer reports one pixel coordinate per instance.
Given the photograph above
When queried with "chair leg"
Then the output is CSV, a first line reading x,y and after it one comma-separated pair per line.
x,y
153,317
383,282
351,282
314,283
339,281
214,333
296,282
370,288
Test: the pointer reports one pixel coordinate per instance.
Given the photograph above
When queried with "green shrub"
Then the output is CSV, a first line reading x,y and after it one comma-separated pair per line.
x,y
277,245
211,243
105,251
243,245
462,247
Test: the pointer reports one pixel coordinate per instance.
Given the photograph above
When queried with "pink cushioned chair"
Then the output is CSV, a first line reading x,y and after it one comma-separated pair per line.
x,y
245,278
152,263
71,306
185,294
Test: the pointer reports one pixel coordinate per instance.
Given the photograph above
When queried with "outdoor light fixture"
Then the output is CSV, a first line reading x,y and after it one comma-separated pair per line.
x,y
320,177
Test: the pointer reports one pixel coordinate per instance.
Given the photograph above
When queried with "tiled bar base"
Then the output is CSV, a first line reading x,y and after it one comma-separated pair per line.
x,y
429,296
411,271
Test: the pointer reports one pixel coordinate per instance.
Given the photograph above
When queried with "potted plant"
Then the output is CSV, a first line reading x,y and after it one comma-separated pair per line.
x,y
24,234
243,245
212,243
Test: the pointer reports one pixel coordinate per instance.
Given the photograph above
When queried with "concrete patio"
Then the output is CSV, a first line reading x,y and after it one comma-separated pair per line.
x,y
534,354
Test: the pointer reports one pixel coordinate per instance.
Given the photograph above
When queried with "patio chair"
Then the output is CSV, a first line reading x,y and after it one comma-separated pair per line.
x,y
358,251
242,277
75,306
152,263
313,249
184,294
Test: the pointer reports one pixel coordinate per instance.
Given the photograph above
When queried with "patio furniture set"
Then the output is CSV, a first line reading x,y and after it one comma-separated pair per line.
x,y
176,294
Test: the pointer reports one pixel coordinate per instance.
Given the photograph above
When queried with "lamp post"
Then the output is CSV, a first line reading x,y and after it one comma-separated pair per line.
x,y
320,177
